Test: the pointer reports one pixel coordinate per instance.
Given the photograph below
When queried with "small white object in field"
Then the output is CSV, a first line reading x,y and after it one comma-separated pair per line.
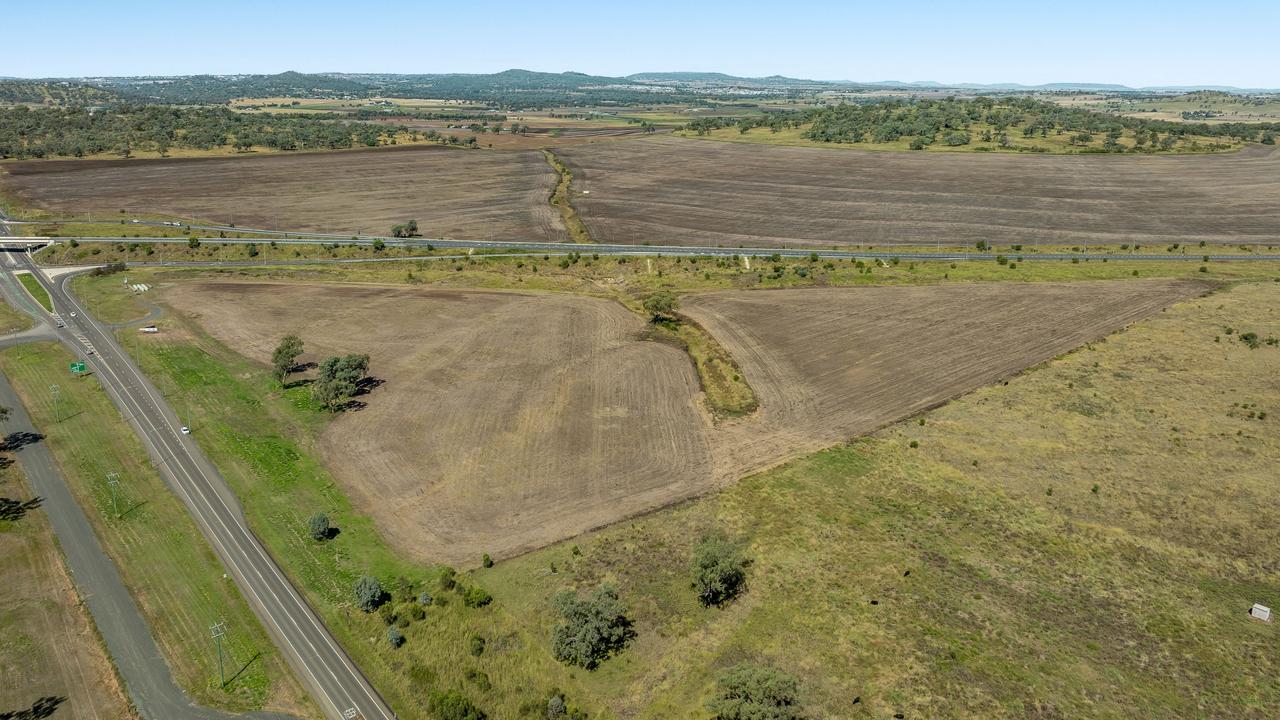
x,y
1261,612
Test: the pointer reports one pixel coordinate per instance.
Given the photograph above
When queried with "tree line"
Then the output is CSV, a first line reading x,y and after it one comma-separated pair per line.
x,y
952,120
123,130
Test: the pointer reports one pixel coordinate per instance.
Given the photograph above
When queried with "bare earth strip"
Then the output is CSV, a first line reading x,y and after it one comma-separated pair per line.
x,y
466,194
668,190
508,420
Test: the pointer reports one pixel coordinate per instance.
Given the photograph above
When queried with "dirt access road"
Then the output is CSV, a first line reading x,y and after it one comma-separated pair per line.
x,y
673,191
508,421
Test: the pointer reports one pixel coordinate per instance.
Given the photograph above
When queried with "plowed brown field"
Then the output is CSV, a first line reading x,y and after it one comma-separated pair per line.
x,y
672,191
471,195
508,420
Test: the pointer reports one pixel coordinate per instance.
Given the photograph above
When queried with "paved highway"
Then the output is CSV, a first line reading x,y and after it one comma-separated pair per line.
x,y
547,248
146,675
338,686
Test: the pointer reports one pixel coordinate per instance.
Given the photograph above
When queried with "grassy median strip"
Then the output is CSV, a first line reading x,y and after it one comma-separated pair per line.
x,y
36,290
263,441
165,561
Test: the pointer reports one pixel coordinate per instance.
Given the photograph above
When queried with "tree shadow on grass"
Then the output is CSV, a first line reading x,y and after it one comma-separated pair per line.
x,y
244,667
368,385
42,708
17,440
14,510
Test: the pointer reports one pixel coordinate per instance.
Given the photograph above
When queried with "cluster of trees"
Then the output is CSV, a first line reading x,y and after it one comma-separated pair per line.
x,y
595,627
379,114
405,230
339,378
125,129
52,92
951,121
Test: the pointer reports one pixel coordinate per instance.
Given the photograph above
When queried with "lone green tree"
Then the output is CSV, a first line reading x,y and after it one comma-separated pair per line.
x,y
719,569
369,593
751,692
285,357
318,527
593,628
661,305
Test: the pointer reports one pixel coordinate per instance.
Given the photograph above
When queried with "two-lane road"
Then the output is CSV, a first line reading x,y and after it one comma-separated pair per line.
x,y
340,688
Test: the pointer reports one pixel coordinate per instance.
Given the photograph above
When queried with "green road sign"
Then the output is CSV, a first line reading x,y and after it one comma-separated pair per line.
x,y
77,367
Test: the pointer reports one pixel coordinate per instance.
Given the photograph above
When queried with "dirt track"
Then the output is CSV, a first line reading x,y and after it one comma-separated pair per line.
x,y
669,190
508,421
466,194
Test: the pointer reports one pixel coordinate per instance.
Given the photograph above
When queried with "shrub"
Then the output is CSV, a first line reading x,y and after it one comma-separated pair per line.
x,y
453,705
477,645
476,597
914,444
719,569
447,580
661,305
594,628
479,677
424,598
955,139
369,593
748,692
318,526
395,637
486,561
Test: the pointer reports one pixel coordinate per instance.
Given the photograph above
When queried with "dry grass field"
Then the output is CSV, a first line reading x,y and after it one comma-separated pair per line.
x,y
667,191
510,420
1082,542
452,193
48,648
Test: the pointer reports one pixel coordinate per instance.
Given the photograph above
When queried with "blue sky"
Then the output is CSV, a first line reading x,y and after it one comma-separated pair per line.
x,y
1133,43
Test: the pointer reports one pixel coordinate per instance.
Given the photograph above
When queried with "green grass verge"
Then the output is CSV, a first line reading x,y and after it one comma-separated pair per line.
x,y
263,440
176,579
12,321
36,290
214,249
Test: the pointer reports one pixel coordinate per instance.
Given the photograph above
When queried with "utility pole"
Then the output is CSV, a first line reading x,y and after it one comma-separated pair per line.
x,y
56,393
219,629
113,481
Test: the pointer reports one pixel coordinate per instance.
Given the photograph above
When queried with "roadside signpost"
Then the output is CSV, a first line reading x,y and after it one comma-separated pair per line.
x,y
78,367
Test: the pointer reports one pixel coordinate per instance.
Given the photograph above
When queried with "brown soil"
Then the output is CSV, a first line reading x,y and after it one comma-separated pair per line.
x,y
47,646
672,191
508,420
467,194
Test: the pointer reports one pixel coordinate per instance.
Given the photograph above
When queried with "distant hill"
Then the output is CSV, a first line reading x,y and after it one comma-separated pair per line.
x,y
509,89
